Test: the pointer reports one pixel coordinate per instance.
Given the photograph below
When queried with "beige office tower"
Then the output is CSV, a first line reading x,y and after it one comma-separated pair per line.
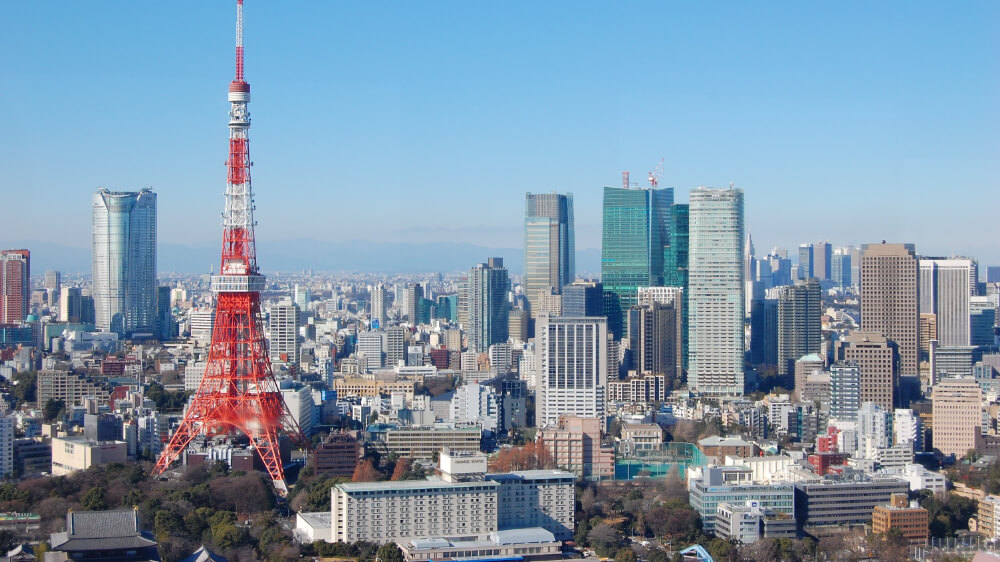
x,y
956,406
928,333
889,298
876,358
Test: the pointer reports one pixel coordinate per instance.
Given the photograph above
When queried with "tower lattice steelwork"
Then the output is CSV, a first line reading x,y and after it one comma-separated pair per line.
x,y
238,391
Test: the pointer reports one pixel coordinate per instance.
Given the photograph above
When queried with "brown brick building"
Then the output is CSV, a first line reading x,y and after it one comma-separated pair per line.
x,y
912,521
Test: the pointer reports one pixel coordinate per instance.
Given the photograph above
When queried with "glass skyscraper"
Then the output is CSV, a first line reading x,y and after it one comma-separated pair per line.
x,y
715,268
675,264
124,261
549,245
636,228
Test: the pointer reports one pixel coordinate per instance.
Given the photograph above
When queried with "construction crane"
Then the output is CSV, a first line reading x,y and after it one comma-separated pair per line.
x,y
654,176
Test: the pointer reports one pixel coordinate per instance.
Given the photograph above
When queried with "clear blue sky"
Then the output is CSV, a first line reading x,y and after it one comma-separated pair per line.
x,y
425,121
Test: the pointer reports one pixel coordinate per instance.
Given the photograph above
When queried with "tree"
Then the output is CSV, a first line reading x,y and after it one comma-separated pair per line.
x,y
389,552
587,500
530,456
402,467
365,472
626,555
657,555
167,524
53,409
96,499
971,456
604,538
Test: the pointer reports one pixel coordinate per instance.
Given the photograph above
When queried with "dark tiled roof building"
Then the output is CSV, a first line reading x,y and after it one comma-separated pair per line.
x,y
105,535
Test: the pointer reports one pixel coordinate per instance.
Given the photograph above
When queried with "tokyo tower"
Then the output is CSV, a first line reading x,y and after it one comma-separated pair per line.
x,y
238,392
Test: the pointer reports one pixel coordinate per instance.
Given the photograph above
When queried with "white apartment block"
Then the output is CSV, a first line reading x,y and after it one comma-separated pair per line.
x,y
537,498
283,324
476,404
663,295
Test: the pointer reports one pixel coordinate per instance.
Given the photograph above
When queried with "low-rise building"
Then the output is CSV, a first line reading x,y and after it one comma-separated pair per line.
x,y
515,544
711,485
912,521
641,437
362,386
647,388
721,447
844,501
70,454
313,526
987,517
919,478
338,455
426,442
748,522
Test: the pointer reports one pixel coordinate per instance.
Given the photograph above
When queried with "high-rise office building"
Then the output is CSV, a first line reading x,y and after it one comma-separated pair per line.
x,y
715,300
799,323
572,365
946,287
372,346
487,289
655,338
764,332
675,254
549,246
635,231
877,359
675,265
583,298
124,261
840,268
379,308
164,317
993,274
53,285
414,296
889,298
15,286
301,298
807,266
283,325
70,304
822,260
956,404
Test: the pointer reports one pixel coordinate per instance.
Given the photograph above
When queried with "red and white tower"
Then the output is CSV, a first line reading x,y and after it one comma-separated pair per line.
x,y
238,391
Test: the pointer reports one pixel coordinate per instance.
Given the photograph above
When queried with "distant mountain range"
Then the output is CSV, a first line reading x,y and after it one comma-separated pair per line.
x,y
359,256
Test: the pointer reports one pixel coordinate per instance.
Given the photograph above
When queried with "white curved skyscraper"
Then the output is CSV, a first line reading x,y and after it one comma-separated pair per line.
x,y
124,261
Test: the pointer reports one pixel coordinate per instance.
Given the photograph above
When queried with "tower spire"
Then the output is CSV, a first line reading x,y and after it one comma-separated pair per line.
x,y
239,41
238,392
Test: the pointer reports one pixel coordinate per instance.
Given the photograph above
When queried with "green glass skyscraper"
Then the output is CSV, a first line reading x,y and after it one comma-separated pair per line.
x,y
636,229
675,264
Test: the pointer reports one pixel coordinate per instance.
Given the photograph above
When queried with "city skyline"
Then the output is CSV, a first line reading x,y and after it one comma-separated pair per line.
x,y
775,106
